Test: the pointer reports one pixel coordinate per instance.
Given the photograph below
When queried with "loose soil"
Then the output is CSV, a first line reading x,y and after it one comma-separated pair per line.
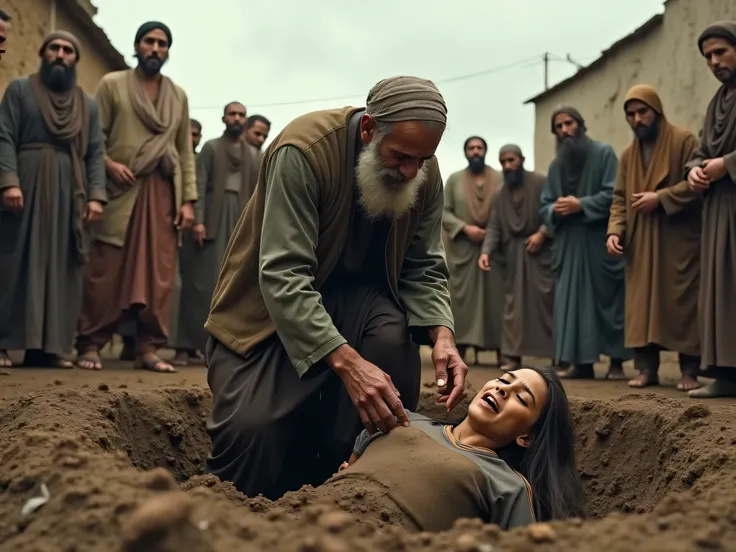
x,y
121,455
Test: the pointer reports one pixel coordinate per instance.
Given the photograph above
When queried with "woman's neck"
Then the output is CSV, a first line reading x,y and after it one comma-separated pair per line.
x,y
468,436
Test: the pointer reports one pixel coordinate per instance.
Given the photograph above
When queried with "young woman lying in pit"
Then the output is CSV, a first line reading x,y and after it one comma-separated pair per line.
x,y
510,462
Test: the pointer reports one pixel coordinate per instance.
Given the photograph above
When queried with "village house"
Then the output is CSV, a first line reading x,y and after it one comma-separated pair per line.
x,y
663,52
33,19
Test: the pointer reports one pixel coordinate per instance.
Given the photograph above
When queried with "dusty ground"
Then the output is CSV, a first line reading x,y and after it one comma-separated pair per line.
x,y
659,472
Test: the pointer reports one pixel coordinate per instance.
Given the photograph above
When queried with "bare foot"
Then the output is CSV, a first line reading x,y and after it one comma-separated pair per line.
x,y
89,361
5,361
152,363
644,380
577,371
688,383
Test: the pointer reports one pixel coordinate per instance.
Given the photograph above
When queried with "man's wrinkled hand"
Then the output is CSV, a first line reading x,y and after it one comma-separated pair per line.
x,y
697,181
645,202
534,242
613,245
13,199
450,371
715,169
371,390
475,234
567,205
93,212
185,217
198,233
484,262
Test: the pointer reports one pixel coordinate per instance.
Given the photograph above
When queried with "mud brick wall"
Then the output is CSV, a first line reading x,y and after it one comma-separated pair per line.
x,y
31,22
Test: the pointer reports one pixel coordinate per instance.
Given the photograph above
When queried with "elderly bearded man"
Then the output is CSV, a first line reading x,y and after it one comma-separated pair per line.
x,y
152,187
477,296
333,276
589,286
655,225
712,172
52,179
516,234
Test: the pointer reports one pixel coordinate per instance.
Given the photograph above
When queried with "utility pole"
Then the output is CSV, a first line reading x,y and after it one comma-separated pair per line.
x,y
546,70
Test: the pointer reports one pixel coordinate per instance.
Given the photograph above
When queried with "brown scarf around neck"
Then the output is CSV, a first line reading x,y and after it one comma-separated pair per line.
x,y
230,157
158,151
66,117
479,196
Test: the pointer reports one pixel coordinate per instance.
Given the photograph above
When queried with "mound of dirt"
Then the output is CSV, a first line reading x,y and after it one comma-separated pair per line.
x,y
671,460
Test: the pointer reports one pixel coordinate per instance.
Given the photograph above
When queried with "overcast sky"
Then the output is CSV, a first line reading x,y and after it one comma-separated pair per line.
x,y
275,56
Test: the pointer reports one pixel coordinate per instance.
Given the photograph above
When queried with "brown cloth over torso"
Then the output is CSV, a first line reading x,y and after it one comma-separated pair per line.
x,y
479,194
662,248
239,317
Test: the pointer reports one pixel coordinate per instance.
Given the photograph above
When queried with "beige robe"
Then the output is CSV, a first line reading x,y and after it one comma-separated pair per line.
x,y
477,296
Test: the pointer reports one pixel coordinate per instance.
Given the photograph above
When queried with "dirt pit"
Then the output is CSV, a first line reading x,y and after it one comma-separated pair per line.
x,y
123,472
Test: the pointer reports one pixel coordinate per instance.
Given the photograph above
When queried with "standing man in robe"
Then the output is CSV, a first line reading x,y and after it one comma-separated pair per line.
x,y
128,330
516,234
151,191
477,296
52,180
655,226
334,275
4,28
589,286
712,172
226,176
257,130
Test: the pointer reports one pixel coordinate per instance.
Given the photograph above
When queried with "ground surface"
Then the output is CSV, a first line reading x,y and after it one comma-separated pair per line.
x,y
659,471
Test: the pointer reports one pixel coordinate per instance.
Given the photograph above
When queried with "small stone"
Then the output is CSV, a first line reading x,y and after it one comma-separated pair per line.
x,y
467,543
336,521
541,532
103,387
159,479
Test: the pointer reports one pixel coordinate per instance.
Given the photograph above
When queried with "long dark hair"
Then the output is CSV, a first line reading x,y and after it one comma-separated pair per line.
x,y
549,462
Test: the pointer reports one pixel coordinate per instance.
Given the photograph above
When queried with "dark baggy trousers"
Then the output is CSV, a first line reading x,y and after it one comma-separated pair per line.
x,y
273,432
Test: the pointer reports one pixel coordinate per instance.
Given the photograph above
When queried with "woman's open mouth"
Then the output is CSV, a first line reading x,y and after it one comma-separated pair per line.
x,y
490,401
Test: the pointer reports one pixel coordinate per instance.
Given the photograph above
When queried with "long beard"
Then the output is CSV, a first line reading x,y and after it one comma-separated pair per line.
x,y
58,77
383,192
513,177
572,151
151,65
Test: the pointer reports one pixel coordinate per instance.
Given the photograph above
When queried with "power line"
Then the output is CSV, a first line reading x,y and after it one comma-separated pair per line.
x,y
522,63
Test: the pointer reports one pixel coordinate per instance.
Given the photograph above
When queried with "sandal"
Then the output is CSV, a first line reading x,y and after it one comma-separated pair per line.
x,y
154,364
91,359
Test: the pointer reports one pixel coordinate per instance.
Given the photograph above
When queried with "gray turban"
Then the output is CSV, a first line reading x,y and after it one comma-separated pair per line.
x,y
398,99
510,148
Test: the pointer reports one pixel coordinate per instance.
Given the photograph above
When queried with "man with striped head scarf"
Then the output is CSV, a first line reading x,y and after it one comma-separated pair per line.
x,y
333,277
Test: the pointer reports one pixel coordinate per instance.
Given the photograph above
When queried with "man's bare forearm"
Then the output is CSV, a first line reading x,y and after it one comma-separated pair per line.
x,y
441,333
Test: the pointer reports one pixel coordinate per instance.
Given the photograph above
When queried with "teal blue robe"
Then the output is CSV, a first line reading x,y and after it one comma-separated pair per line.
x,y
589,288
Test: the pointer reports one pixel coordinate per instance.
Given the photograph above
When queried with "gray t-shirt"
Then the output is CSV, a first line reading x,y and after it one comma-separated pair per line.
x,y
454,480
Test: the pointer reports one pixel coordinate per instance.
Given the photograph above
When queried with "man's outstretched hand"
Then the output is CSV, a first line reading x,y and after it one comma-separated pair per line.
x,y
450,369
371,390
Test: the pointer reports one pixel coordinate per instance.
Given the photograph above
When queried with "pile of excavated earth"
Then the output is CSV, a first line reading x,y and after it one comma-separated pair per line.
x,y
111,469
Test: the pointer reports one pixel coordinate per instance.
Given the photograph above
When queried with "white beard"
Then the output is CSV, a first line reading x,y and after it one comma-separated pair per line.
x,y
381,192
